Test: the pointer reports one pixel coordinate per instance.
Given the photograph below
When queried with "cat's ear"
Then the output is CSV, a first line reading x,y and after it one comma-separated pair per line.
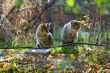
x,y
48,24
79,22
74,21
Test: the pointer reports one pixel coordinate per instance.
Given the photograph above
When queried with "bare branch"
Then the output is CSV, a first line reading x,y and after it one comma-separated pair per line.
x,y
11,11
46,6
30,47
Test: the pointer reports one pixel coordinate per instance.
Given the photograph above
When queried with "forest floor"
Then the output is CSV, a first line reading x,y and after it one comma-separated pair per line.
x,y
89,61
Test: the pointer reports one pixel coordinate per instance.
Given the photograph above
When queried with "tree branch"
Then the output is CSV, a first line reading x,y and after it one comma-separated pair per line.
x,y
30,47
11,11
46,6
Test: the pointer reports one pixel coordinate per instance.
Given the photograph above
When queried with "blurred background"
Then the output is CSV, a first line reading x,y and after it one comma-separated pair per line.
x,y
19,20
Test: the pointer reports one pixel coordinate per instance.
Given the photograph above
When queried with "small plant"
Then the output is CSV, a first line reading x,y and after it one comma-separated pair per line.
x,y
5,43
83,36
70,49
57,36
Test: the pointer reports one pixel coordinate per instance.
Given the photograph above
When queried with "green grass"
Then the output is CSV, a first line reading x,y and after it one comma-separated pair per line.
x,y
83,36
57,37
15,43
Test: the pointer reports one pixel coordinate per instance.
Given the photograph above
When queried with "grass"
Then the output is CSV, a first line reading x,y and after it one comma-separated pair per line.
x,y
57,37
94,56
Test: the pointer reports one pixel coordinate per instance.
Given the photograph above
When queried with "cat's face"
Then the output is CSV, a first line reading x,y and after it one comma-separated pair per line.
x,y
75,24
45,27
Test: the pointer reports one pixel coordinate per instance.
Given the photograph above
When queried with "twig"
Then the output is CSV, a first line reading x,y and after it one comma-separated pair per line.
x,y
99,31
30,47
107,39
10,11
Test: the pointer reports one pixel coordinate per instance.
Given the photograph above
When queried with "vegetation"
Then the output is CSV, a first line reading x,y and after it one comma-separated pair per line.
x,y
19,20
